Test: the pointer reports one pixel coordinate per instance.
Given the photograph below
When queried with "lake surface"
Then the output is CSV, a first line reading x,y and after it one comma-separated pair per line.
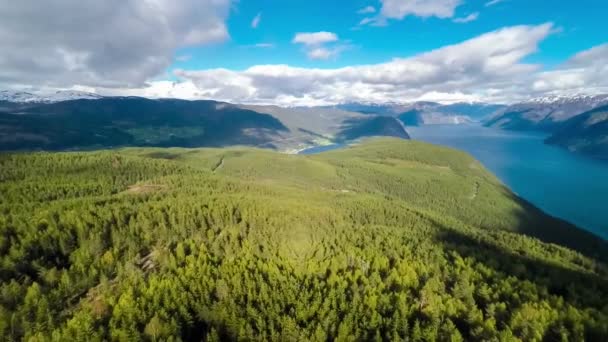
x,y
563,184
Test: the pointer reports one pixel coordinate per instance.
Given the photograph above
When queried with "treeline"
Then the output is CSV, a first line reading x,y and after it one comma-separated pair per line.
x,y
119,246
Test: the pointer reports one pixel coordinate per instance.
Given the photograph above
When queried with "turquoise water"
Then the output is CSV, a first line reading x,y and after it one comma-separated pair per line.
x,y
563,184
319,149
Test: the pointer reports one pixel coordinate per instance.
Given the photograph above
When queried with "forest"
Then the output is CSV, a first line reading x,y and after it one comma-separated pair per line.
x,y
385,240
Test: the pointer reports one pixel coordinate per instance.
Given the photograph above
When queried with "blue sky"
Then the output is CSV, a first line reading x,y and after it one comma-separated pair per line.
x,y
579,25
309,52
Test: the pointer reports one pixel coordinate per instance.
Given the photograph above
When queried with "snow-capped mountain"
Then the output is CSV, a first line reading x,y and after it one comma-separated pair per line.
x,y
580,99
545,113
57,96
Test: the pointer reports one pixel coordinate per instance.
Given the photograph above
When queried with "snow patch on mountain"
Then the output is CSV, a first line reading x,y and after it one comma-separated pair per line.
x,y
580,99
57,96
545,113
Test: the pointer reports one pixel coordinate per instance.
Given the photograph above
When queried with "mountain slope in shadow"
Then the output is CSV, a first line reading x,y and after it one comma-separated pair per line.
x,y
586,133
132,121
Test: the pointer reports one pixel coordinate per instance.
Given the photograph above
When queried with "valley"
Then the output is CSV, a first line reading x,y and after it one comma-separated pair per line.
x,y
74,120
303,171
337,212
133,121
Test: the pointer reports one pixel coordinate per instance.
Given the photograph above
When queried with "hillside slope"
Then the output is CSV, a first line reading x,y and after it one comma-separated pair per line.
x,y
586,133
317,126
388,239
134,121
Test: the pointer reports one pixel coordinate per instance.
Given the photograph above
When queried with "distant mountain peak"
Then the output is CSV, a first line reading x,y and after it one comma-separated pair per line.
x,y
564,99
545,113
57,96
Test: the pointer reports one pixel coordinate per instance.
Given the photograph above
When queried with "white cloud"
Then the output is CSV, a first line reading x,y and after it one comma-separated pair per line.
x,y
314,38
110,43
325,53
585,72
453,97
489,67
367,10
493,2
377,21
471,17
159,89
314,43
319,53
366,21
398,9
256,20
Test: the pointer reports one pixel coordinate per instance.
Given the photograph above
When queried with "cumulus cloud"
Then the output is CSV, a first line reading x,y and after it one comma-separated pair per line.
x,y
323,53
314,38
398,9
489,67
156,89
586,72
110,43
256,20
320,53
314,43
471,17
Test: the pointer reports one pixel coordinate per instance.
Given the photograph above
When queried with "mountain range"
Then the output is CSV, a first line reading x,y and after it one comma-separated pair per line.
x,y
427,113
385,239
544,113
135,121
73,119
52,97
80,120
585,133
577,123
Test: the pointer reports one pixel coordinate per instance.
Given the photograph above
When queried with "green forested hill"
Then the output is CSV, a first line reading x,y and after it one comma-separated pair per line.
x,y
132,121
111,122
385,240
